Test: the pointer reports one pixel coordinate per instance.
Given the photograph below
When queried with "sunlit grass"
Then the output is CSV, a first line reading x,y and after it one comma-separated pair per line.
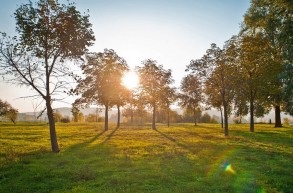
x,y
181,158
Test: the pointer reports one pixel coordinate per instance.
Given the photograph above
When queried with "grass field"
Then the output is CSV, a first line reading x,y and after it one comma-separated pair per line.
x,y
182,158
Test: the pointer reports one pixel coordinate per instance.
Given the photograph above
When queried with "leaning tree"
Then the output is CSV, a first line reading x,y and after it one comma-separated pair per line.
x,y
49,35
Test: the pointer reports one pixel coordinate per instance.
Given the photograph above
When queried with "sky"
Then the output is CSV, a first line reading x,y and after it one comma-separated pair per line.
x,y
172,32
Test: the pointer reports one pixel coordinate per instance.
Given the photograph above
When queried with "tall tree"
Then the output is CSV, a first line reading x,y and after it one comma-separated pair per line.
x,y
216,72
191,94
254,71
49,33
274,19
102,83
154,80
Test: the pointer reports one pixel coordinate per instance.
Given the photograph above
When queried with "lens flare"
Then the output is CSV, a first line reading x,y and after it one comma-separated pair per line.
x,y
220,161
228,168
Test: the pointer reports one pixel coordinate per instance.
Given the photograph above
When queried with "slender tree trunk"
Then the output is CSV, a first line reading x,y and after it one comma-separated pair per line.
x,y
226,119
278,122
154,117
168,117
118,119
106,116
251,116
222,120
53,135
131,115
194,117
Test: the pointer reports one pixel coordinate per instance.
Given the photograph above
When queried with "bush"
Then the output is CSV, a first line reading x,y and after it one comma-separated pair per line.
x,y
65,120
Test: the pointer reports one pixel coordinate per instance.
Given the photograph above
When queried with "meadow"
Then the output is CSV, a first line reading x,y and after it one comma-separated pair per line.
x,y
181,158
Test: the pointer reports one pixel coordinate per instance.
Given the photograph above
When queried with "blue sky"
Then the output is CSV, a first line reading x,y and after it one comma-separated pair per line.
x,y
170,31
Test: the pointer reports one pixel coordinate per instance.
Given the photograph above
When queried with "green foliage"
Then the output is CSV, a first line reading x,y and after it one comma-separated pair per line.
x,y
182,158
274,20
216,73
287,90
205,118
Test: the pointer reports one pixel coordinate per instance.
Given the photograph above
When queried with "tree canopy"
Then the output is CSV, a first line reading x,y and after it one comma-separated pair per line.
x,y
102,83
155,83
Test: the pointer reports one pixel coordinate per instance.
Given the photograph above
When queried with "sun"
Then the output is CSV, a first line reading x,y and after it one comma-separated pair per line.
x,y
130,80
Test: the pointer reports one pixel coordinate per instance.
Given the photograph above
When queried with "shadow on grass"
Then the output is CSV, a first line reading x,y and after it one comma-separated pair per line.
x,y
179,144
110,135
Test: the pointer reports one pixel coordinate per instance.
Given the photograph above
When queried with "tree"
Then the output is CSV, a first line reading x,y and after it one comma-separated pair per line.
x,y
154,81
191,94
120,99
169,98
254,71
205,118
274,20
57,116
287,89
77,114
8,111
91,118
102,83
216,71
49,35
188,115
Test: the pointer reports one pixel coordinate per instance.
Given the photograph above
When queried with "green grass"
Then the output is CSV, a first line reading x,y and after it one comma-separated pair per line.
x,y
182,158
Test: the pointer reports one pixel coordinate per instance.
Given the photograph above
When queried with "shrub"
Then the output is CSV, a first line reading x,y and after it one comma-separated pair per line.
x,y
65,120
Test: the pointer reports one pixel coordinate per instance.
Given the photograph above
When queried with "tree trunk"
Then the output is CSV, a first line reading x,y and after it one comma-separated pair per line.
x,y
251,116
278,122
106,117
226,119
154,117
131,116
53,135
168,117
118,119
222,120
194,117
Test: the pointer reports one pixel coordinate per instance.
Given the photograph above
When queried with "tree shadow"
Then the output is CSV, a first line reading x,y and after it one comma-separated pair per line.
x,y
166,136
110,136
96,137
179,144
